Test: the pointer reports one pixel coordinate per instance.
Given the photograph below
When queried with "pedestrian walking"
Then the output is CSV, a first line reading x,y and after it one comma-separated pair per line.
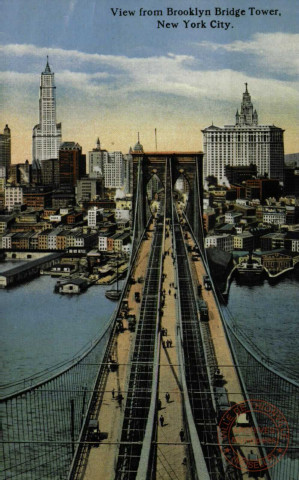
x,y
161,420
169,292
167,397
182,435
170,343
163,344
113,392
174,295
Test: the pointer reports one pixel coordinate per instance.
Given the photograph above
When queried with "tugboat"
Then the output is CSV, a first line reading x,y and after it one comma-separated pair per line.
x,y
114,294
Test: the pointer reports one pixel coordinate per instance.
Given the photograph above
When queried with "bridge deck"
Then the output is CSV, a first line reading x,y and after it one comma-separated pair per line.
x,y
223,356
171,452
101,461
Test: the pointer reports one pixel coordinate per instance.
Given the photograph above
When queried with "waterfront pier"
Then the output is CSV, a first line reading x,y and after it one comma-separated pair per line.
x,y
28,270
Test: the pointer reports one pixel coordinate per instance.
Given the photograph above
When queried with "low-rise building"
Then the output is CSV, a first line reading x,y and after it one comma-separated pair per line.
x,y
7,241
272,241
94,216
103,242
21,241
127,249
37,197
87,240
122,214
209,218
223,242
277,261
74,217
244,241
120,241
13,197
63,198
291,241
262,188
52,237
274,215
61,240
43,239
232,217
5,222
33,241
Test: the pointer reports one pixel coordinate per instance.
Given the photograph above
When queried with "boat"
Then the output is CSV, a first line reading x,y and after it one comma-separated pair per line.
x,y
114,293
250,268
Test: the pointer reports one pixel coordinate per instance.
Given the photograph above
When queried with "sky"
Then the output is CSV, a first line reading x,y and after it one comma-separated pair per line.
x,y
117,73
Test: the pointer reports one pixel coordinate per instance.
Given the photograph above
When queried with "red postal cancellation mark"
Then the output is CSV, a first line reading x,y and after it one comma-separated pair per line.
x,y
242,443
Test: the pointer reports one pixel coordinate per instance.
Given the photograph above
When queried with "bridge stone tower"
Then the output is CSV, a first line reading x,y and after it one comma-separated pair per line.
x,y
168,166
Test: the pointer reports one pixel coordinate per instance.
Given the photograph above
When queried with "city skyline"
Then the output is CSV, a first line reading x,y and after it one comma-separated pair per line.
x,y
116,75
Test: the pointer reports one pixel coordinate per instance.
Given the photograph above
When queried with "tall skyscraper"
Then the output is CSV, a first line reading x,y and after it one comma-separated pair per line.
x,y
243,144
114,170
46,137
5,150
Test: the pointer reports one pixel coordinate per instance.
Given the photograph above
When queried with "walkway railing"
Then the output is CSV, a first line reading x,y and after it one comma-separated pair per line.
x,y
41,424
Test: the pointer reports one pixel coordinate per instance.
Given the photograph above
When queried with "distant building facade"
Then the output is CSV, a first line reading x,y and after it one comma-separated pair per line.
x,y
50,171
261,188
88,189
243,144
72,163
20,173
223,242
13,197
96,160
114,171
5,150
46,137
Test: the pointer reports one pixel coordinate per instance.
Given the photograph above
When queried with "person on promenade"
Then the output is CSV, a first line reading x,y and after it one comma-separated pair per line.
x,y
182,435
161,420
167,397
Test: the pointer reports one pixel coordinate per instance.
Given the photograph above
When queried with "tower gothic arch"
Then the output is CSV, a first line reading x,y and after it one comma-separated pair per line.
x,y
168,167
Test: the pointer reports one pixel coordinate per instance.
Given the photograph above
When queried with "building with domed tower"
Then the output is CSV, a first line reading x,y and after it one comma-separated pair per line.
x,y
243,144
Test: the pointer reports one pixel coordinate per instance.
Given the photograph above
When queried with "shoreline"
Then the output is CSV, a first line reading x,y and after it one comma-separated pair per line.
x,y
268,276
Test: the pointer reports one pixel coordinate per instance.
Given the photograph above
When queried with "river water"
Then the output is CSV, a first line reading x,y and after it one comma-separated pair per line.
x,y
40,329
269,315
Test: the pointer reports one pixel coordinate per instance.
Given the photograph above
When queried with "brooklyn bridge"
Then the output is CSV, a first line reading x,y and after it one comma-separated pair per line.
x,y
172,389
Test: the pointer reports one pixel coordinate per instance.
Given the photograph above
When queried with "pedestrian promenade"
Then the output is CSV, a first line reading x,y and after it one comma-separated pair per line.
x,y
225,361
101,460
170,450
